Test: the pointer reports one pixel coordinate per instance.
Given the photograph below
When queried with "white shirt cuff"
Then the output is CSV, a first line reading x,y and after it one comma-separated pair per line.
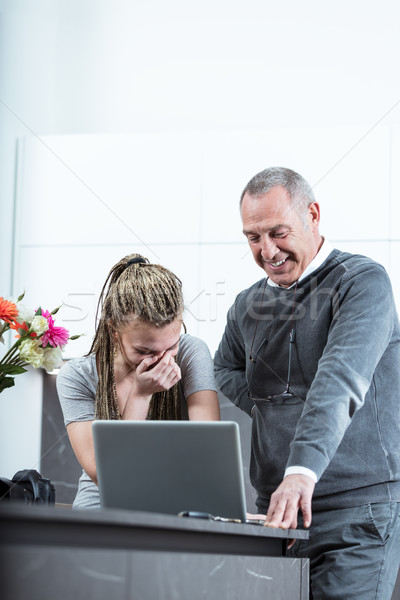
x,y
301,471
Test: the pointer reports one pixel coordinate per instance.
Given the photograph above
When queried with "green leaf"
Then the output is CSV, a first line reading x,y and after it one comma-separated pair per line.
x,y
6,382
12,369
75,337
21,296
55,311
38,312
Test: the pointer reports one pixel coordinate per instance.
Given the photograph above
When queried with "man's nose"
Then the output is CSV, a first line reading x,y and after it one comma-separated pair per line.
x,y
268,248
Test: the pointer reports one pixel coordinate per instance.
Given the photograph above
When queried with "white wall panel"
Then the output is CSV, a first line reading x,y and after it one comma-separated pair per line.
x,y
395,184
355,191
21,424
67,239
230,160
55,203
227,269
70,276
74,277
395,271
348,169
105,189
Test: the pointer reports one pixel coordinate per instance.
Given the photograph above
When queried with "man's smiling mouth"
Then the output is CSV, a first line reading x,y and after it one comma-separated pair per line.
x,y
278,263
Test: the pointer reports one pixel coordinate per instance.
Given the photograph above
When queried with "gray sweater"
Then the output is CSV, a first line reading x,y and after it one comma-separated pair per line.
x,y
344,423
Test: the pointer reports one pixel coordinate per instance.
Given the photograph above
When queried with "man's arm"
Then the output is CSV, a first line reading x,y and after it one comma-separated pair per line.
x,y
230,365
360,332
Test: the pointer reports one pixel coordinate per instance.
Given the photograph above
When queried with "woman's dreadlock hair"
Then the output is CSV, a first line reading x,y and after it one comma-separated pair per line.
x,y
151,293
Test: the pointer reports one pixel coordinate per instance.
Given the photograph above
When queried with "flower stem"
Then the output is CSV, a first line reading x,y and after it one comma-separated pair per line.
x,y
4,328
12,352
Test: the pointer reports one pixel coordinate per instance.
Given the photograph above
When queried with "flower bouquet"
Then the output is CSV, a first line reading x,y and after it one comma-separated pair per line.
x,y
39,342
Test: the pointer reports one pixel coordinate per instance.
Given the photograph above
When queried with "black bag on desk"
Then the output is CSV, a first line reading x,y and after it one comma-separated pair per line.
x,y
29,487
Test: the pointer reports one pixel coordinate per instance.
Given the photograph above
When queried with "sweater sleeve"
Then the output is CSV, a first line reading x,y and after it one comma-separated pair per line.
x,y
230,365
360,332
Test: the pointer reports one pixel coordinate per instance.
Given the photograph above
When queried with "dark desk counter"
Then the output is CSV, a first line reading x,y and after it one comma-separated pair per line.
x,y
59,553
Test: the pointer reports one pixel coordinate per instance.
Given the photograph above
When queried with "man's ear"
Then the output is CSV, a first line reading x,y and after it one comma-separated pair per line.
x,y
314,216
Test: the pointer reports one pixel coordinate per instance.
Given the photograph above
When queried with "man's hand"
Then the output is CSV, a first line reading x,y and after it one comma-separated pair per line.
x,y
294,492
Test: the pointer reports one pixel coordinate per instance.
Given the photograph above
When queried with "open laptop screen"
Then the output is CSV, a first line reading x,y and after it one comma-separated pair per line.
x,y
170,466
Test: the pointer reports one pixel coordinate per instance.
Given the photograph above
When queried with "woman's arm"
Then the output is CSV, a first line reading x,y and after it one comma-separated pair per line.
x,y
76,387
203,406
198,380
81,438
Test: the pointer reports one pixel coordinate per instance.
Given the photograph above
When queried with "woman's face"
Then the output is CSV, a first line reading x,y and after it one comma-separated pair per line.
x,y
138,340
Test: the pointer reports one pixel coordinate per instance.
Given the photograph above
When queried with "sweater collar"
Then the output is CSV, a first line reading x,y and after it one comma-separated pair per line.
x,y
315,264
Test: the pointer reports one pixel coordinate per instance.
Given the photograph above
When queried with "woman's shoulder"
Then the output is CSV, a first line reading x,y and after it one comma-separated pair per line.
x,y
81,367
76,386
190,348
191,343
197,366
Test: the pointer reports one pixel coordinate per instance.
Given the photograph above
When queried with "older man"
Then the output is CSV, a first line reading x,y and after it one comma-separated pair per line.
x,y
312,353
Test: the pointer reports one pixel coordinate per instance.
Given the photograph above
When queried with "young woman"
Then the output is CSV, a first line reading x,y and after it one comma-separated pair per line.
x,y
140,366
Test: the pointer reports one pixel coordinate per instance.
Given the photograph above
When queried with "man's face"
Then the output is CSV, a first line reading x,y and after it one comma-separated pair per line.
x,y
280,242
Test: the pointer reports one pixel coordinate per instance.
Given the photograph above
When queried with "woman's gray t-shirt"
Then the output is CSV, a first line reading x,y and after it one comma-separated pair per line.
x,y
77,383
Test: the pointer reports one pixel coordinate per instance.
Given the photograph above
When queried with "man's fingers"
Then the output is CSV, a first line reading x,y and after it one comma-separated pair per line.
x,y
283,514
294,493
306,510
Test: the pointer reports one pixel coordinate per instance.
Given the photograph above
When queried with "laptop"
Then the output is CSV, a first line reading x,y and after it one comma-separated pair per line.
x,y
171,467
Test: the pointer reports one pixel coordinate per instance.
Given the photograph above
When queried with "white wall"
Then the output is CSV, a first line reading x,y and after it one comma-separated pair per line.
x,y
138,124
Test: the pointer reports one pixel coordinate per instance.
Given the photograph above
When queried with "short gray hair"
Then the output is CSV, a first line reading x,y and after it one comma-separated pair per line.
x,y
299,191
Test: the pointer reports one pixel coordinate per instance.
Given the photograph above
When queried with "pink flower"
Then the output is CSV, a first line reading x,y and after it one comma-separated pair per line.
x,y
54,336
